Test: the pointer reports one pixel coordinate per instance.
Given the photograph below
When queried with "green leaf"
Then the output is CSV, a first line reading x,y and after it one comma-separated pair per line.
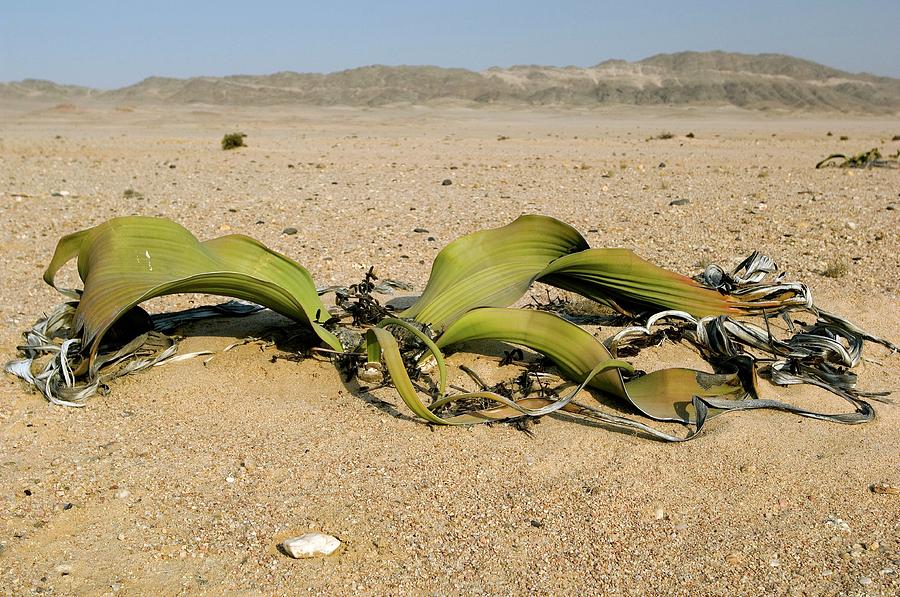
x,y
626,282
492,268
666,394
496,267
381,343
126,261
433,349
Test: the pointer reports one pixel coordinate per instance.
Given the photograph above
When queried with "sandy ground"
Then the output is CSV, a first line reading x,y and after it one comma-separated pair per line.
x,y
185,478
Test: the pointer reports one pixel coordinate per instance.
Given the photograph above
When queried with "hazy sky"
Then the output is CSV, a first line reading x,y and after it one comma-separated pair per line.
x,y
111,43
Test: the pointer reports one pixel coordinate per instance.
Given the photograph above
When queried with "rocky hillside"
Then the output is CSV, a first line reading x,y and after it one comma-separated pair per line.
x,y
760,82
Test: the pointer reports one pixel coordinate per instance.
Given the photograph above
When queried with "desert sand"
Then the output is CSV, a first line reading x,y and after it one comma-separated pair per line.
x,y
184,479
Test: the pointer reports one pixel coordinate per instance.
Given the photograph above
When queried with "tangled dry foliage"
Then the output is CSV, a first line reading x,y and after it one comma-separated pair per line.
x,y
866,159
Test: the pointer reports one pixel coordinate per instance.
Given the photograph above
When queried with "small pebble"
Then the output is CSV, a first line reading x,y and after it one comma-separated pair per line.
x,y
447,182
63,569
680,202
229,479
371,373
290,231
659,514
885,488
311,545
734,558
838,524
122,494
865,581
420,230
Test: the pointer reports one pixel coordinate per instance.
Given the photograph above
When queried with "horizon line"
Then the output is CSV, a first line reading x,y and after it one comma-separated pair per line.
x,y
409,65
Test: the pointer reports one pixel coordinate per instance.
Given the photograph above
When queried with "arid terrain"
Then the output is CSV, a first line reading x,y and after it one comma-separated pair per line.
x,y
184,479
750,81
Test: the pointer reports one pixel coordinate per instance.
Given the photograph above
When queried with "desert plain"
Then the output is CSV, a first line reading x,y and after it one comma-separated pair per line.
x,y
184,479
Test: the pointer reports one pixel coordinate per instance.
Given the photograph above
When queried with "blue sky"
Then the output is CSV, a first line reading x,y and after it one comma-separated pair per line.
x,y
107,43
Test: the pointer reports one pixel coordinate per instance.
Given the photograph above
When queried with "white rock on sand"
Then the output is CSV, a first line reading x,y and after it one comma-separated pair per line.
x,y
311,545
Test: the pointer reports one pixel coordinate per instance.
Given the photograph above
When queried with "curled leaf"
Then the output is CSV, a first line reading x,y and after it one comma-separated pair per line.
x,y
492,268
126,261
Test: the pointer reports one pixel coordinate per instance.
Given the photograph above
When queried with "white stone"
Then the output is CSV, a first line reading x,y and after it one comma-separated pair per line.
x,y
371,373
838,524
122,494
311,545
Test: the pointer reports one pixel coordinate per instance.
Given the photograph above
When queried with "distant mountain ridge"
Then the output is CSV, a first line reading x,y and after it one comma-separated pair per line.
x,y
750,81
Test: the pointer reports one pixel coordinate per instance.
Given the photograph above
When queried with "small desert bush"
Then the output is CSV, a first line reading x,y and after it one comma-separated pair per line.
x,y
233,140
